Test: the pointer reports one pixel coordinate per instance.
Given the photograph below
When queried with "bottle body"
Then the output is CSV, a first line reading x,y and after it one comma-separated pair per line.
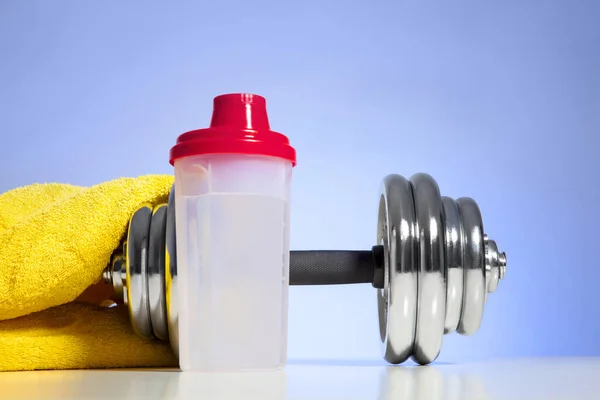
x,y
233,217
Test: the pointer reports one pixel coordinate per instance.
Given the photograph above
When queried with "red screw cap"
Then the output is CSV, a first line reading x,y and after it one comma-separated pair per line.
x,y
239,125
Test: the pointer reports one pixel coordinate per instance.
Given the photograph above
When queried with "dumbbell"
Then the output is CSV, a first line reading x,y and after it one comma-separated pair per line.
x,y
432,267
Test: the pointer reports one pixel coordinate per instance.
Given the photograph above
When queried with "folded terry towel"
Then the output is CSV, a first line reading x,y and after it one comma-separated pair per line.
x,y
56,240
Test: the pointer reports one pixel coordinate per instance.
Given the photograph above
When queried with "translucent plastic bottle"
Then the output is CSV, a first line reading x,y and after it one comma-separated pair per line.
x,y
232,193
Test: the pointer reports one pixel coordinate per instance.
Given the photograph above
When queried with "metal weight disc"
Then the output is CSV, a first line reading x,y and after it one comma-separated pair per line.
x,y
492,266
397,301
156,272
172,305
137,270
432,286
454,264
474,259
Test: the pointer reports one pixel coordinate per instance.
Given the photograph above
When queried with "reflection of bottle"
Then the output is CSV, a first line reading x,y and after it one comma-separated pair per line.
x,y
257,385
232,189
416,383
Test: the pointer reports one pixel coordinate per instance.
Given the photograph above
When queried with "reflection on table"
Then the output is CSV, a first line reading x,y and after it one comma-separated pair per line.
x,y
575,378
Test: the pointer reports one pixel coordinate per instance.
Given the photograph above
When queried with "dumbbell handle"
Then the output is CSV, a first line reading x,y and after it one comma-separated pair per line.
x,y
335,267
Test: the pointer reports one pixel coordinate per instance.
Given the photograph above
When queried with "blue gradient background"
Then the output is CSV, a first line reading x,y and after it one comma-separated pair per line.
x,y
497,100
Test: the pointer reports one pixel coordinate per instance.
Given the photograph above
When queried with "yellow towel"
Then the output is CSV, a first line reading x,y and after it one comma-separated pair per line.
x,y
56,239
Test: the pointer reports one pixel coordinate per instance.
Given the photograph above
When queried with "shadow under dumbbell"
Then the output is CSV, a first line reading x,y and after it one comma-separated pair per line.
x,y
355,363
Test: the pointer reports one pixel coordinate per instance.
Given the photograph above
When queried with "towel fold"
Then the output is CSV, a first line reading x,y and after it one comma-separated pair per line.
x,y
56,240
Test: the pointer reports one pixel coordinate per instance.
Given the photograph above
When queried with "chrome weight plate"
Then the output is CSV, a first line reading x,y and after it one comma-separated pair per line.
x,y
156,272
492,265
474,264
172,304
431,282
454,263
137,270
397,301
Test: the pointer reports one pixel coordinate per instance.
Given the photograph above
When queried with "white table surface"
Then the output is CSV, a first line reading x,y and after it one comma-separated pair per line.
x,y
543,378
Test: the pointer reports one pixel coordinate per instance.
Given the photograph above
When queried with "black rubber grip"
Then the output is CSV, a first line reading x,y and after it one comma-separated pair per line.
x,y
331,267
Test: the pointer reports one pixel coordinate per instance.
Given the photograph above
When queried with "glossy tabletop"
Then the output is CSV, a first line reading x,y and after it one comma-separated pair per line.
x,y
543,378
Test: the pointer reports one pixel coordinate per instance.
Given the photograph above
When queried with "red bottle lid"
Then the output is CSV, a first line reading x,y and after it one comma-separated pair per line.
x,y
239,125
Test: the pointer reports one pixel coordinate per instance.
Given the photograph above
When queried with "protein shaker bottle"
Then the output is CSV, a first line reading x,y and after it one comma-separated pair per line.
x,y
232,198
